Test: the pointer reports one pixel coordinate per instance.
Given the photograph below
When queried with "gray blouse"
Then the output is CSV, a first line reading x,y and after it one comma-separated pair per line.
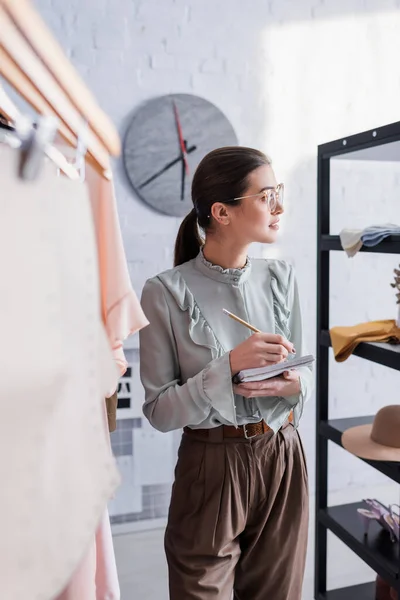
x,y
184,352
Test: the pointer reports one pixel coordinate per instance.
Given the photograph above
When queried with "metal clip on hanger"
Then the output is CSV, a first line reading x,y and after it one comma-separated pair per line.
x,y
35,141
4,123
78,164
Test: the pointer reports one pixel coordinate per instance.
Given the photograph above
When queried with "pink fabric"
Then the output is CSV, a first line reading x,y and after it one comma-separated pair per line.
x,y
107,585
96,577
121,310
82,586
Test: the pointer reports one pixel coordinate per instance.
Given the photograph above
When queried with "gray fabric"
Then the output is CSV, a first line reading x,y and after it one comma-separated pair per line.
x,y
184,352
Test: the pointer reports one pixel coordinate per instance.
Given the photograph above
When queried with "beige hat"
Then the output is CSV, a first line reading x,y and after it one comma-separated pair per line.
x,y
379,441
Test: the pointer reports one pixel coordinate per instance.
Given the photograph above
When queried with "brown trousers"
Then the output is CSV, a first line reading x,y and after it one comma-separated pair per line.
x,y
238,518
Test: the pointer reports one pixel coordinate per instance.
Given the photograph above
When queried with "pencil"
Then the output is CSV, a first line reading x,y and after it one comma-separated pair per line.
x,y
239,320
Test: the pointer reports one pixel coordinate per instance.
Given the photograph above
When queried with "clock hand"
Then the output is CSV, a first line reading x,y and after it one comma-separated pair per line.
x,y
183,177
167,166
180,137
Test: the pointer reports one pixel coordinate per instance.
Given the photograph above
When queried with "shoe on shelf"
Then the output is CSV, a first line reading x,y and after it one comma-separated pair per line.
x,y
380,513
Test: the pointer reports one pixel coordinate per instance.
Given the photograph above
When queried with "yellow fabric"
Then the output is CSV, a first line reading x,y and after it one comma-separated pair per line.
x,y
345,339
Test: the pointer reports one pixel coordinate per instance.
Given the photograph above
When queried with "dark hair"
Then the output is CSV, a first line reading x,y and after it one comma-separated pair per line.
x,y
221,175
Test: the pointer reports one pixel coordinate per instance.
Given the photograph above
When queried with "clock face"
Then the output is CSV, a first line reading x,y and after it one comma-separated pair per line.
x,y
165,141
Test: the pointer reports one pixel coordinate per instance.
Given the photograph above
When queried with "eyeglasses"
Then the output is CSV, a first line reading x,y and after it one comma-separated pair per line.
x,y
272,196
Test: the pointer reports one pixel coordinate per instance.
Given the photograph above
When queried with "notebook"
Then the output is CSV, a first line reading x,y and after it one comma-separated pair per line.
x,y
262,373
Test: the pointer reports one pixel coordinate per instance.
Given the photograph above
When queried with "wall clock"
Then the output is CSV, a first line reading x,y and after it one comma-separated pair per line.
x,y
165,141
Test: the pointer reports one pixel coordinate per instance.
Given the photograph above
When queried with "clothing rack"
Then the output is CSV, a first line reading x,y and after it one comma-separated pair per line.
x,y
33,63
381,144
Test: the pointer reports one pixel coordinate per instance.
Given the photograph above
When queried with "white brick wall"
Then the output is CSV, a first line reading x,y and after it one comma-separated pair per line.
x,y
289,74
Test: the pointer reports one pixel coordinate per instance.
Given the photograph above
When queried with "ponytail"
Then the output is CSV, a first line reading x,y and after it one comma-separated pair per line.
x,y
188,241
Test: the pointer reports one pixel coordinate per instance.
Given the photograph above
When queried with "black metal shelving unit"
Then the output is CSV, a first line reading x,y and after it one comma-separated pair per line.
x,y
376,550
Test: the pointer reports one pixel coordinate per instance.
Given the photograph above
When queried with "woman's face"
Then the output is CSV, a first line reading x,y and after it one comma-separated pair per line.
x,y
253,221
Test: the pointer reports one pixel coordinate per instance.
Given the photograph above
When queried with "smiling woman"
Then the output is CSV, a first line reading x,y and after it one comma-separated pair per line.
x,y
238,518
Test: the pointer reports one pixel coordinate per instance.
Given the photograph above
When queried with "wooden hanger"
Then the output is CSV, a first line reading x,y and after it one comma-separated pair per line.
x,y
19,81
35,66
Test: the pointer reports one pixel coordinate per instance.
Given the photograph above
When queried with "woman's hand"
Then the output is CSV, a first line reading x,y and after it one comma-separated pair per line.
x,y
260,350
286,385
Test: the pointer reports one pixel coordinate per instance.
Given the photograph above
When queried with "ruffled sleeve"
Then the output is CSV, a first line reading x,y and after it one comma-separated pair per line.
x,y
171,404
288,322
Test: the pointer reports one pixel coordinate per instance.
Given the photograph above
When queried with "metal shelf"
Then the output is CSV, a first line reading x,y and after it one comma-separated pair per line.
x,y
368,145
333,430
390,245
383,354
365,591
376,550
381,144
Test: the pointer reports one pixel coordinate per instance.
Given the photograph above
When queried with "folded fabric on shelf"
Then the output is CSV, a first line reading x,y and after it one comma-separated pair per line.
x,y
352,240
345,339
375,234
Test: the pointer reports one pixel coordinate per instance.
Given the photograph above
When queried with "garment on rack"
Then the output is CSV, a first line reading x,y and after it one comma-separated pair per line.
x,y
96,577
122,316
121,310
345,339
352,240
56,465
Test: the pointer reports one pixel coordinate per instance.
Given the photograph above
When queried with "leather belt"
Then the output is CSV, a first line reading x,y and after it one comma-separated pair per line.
x,y
247,431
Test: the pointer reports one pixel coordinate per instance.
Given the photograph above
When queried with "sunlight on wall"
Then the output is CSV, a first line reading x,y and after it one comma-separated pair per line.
x,y
325,79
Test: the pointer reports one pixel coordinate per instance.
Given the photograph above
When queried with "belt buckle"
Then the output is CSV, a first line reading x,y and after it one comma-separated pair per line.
x,y
248,437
